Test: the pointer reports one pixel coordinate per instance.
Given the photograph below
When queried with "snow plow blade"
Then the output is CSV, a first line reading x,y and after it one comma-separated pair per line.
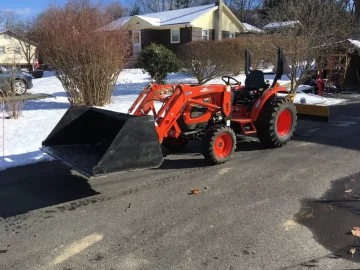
x,y
98,142
312,112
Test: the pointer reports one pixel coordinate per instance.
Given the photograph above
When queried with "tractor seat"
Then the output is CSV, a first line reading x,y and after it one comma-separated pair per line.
x,y
255,80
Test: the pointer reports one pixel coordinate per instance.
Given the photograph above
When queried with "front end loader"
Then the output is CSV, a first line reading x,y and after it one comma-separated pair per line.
x,y
98,142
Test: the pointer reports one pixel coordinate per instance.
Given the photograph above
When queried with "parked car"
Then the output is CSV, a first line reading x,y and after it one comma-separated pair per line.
x,y
19,81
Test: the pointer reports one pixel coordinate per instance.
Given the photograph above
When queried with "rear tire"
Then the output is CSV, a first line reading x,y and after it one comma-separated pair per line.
x,y
219,145
19,87
276,122
174,145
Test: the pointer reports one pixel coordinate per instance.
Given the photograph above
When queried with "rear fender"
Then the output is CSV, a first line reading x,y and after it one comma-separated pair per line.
x,y
260,102
18,79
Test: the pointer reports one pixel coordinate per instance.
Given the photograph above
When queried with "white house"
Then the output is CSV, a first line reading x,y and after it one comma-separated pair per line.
x,y
11,52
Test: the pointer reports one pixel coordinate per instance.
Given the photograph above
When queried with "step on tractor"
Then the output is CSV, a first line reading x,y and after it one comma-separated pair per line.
x,y
97,142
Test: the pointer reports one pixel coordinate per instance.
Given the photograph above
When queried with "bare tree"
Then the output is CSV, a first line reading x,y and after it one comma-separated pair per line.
x,y
243,8
151,6
356,8
14,104
115,10
135,10
205,60
27,32
321,22
87,56
233,51
8,19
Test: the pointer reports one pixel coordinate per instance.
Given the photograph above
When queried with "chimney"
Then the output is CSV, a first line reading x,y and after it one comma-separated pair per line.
x,y
218,19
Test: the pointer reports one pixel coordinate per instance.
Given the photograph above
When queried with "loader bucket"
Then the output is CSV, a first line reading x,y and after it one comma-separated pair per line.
x,y
97,142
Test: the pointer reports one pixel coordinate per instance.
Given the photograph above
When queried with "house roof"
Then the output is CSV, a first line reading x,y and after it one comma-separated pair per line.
x,y
15,35
119,23
252,28
7,32
178,16
276,25
167,18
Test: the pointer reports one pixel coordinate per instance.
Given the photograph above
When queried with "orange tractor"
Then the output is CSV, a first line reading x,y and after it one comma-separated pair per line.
x,y
97,142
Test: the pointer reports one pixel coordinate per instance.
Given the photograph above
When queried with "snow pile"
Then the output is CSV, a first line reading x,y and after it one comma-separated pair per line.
x,y
303,88
355,42
304,98
281,24
23,137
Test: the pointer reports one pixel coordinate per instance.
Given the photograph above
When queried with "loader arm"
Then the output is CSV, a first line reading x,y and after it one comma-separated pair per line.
x,y
151,93
179,98
140,97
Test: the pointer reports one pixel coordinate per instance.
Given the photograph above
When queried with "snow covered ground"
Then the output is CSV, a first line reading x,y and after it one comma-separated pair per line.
x,y
23,137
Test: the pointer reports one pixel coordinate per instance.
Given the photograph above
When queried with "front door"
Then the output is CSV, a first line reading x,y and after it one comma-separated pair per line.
x,y
136,42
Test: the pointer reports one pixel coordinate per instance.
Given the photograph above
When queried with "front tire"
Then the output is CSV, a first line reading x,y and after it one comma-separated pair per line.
x,y
219,145
276,122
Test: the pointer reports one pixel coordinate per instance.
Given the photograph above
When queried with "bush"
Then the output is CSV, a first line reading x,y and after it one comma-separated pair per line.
x,y
14,108
13,105
262,50
158,61
75,39
205,60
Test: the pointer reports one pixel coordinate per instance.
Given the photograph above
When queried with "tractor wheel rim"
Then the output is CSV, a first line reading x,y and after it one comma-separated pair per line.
x,y
19,88
284,123
223,145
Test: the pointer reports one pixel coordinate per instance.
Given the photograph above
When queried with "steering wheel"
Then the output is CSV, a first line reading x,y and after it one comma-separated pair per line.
x,y
228,80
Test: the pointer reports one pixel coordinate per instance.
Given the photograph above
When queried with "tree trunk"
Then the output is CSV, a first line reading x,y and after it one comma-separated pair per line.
x,y
357,9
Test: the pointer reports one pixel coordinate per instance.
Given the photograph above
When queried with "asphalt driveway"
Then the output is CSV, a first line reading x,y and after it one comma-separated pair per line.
x,y
287,208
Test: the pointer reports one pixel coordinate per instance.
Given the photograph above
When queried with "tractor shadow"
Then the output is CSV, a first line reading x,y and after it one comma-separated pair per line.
x,y
188,163
192,157
340,131
248,143
35,186
332,217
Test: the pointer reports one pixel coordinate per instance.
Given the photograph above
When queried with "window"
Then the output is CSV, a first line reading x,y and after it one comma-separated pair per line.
x,y
175,36
17,50
205,34
2,50
231,35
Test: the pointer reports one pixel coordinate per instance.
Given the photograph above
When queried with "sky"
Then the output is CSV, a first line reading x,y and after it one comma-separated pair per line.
x,y
29,8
